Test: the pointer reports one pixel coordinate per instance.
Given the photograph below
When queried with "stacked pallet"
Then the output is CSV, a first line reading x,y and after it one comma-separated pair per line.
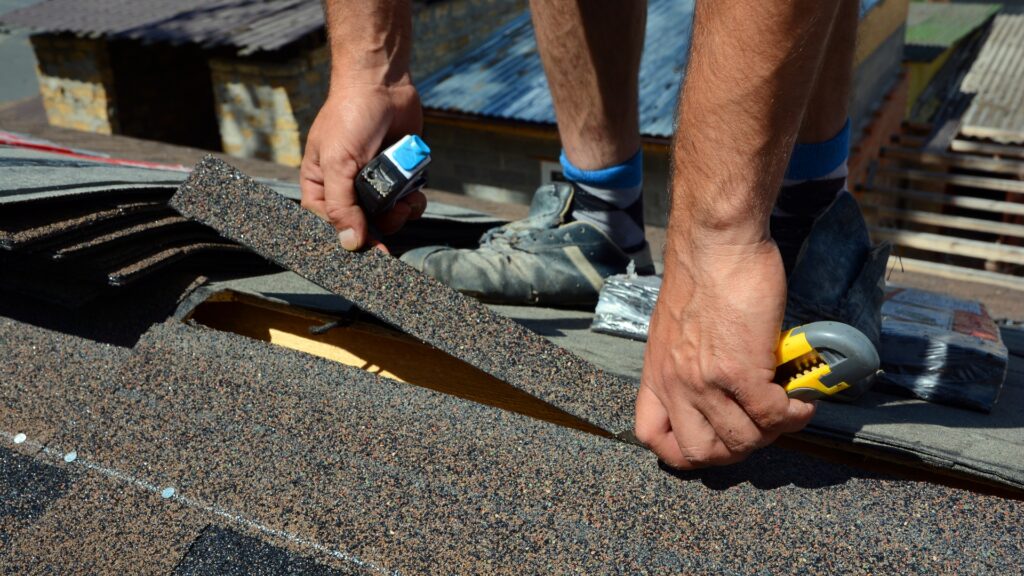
x,y
73,226
954,207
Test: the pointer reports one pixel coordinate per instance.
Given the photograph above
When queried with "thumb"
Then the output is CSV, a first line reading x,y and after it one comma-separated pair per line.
x,y
342,205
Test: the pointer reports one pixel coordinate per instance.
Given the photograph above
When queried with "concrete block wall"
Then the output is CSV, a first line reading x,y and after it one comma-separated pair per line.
x,y
509,166
265,108
76,82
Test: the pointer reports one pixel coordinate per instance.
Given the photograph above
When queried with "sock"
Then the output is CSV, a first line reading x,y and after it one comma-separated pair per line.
x,y
815,176
611,199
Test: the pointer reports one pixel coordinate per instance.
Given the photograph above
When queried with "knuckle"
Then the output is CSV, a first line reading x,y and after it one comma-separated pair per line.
x,y
699,456
743,444
644,435
766,416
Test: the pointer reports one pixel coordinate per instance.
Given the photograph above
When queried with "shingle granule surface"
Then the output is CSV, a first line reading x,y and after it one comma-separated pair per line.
x,y
220,552
252,214
412,481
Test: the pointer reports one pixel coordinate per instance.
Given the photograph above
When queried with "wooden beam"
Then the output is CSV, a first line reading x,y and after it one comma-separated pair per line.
x,y
950,245
885,122
981,182
923,128
959,273
1001,150
948,221
968,202
947,160
911,141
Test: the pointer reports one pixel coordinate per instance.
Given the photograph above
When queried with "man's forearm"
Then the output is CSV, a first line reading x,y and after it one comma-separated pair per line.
x,y
370,41
751,71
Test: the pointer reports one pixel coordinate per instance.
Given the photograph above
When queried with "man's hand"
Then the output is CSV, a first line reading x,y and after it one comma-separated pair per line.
x,y
354,124
372,102
707,396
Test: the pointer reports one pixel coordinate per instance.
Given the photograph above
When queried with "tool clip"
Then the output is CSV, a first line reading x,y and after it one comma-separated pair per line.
x,y
822,359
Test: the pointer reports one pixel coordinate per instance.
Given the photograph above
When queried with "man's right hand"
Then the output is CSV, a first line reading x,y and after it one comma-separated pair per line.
x,y
353,125
706,396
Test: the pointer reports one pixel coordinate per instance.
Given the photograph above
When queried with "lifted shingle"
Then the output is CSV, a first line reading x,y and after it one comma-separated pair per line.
x,y
250,213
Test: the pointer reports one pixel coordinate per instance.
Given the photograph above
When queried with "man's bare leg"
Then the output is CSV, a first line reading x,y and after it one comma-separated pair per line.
x,y
578,234
817,169
591,53
829,104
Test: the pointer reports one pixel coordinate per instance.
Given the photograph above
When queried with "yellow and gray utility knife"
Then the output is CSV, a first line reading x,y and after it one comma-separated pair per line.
x,y
821,359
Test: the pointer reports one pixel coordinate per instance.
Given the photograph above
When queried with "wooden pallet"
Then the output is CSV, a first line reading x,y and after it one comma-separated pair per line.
x,y
952,207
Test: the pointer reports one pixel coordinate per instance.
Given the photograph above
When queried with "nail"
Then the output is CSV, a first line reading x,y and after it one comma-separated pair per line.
x,y
347,237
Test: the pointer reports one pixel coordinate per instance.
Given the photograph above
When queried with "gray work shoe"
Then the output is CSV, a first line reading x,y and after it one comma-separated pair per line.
x,y
538,260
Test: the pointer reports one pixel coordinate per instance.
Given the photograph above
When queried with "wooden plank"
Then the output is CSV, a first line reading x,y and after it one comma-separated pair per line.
x,y
948,221
982,182
1002,150
911,141
917,127
950,245
947,160
968,202
959,273
884,123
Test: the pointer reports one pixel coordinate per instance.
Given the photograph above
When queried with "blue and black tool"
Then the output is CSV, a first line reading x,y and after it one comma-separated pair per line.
x,y
393,174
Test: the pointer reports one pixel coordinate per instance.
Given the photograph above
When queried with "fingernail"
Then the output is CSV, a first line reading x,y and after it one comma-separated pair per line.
x,y
347,237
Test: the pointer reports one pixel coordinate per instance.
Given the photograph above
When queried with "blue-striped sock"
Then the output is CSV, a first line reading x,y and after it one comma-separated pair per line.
x,y
611,199
815,176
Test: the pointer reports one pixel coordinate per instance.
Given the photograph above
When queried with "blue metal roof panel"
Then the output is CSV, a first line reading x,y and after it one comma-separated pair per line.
x,y
504,78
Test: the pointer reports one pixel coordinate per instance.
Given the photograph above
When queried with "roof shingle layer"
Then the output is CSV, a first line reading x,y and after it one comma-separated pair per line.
x,y
248,212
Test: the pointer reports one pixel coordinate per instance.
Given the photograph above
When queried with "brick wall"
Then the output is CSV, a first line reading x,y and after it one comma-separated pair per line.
x,y
76,82
507,167
265,109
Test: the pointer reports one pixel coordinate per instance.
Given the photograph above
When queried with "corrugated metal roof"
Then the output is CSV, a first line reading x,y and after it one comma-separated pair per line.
x,y
931,28
996,80
503,77
247,25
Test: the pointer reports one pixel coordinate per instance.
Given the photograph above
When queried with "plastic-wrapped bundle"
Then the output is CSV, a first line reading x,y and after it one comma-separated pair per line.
x,y
625,305
941,349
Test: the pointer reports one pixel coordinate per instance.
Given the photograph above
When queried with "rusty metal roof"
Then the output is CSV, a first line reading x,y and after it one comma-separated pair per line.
x,y
996,80
249,26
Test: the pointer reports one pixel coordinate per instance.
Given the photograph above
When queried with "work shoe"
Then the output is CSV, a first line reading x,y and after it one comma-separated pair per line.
x,y
542,259
839,275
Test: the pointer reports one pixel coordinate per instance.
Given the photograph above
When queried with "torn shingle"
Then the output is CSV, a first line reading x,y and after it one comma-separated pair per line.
x,y
250,213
